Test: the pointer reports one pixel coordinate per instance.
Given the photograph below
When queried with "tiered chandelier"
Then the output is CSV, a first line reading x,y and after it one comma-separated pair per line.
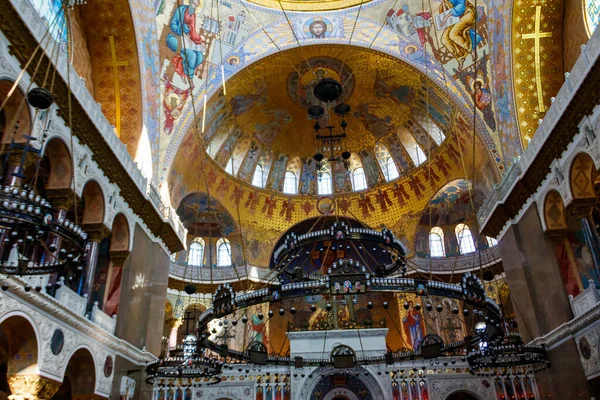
x,y
330,146
486,349
34,241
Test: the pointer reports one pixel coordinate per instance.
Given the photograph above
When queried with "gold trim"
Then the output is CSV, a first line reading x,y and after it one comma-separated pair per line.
x,y
536,36
115,64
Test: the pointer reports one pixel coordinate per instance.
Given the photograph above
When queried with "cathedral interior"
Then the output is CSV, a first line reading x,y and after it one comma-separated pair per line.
x,y
299,199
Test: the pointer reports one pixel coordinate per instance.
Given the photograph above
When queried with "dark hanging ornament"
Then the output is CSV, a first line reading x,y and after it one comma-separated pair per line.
x,y
293,310
328,307
190,288
370,305
313,308
40,98
270,313
385,305
244,319
281,311
406,305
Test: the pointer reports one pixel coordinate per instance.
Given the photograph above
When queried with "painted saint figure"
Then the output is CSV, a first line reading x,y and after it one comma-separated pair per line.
x,y
413,326
185,40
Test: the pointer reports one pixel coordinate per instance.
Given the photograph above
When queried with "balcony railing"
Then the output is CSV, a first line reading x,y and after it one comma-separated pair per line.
x,y
458,264
220,274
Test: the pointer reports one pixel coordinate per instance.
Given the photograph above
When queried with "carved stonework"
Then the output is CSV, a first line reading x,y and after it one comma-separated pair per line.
x,y
554,214
31,387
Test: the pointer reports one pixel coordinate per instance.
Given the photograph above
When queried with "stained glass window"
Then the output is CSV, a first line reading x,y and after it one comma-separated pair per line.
x,y
592,15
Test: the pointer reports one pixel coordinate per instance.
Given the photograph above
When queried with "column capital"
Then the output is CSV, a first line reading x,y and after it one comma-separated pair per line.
x,y
582,208
96,232
118,257
31,387
60,198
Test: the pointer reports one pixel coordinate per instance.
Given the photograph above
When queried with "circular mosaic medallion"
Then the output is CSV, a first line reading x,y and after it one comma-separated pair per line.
x,y
57,342
585,348
108,366
302,81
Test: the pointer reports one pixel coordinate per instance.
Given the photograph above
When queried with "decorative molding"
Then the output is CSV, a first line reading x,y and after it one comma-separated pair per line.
x,y
45,306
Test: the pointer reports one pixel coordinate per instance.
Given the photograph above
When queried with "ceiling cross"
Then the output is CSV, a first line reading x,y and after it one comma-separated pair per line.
x,y
115,64
536,36
187,320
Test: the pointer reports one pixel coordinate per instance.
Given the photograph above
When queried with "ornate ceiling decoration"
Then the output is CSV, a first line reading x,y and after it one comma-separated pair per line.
x,y
537,60
110,36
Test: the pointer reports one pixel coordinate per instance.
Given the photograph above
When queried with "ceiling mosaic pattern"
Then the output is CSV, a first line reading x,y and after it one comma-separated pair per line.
x,y
239,35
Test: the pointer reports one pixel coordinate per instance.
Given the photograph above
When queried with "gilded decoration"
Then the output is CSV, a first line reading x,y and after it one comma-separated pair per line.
x,y
112,46
554,213
384,94
537,60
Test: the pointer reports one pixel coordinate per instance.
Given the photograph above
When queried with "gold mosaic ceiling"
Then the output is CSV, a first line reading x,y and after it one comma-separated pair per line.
x,y
309,5
269,99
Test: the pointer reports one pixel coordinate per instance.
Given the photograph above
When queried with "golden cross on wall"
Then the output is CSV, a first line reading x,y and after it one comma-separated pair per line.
x,y
536,36
115,64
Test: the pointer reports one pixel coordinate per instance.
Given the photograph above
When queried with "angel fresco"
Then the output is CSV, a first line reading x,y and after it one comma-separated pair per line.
x,y
399,94
242,103
378,126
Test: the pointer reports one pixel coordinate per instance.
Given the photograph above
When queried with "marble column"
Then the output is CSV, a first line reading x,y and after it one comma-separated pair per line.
x,y
174,324
96,233
31,387
540,301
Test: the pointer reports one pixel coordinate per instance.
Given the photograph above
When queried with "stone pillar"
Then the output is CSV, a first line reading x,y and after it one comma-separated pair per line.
x,y
540,301
96,232
174,324
31,387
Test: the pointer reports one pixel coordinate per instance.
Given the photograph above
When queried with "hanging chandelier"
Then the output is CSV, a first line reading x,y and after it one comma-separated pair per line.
x,y
330,143
33,240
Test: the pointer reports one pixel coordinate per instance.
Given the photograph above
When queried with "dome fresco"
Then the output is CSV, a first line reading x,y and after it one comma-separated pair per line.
x,y
399,118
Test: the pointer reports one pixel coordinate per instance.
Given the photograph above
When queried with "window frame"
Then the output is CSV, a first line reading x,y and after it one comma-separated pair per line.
x,y
363,181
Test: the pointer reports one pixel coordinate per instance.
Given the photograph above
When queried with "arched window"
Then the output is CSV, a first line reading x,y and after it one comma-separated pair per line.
x,y
174,257
390,171
196,252
465,240
386,162
413,149
229,166
592,15
324,184
436,242
223,253
491,241
358,179
290,185
258,179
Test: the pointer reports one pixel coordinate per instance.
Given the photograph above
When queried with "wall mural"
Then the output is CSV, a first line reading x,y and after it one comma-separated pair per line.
x,y
441,40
